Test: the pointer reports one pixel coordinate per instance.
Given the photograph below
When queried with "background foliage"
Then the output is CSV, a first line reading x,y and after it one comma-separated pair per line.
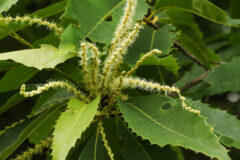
x,y
200,40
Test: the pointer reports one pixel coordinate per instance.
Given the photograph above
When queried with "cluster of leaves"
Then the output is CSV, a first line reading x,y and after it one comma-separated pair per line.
x,y
202,60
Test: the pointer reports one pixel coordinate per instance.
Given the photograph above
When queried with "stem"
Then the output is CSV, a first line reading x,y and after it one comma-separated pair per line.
x,y
17,37
186,53
194,82
152,14
160,74
179,152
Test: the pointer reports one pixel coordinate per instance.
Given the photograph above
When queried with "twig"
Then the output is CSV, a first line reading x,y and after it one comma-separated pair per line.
x,y
176,44
194,82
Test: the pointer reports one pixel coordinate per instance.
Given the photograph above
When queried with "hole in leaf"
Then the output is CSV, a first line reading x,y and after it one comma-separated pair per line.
x,y
166,106
108,18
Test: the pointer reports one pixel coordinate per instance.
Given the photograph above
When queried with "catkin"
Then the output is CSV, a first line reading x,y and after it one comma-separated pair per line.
x,y
94,68
115,59
35,20
125,23
27,155
84,63
155,87
105,142
54,84
141,60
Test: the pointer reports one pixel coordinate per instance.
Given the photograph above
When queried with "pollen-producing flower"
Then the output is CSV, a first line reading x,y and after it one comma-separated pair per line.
x,y
106,81
33,20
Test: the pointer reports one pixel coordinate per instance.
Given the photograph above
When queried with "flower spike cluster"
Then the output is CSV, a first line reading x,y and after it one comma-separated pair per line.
x,y
113,60
105,80
90,64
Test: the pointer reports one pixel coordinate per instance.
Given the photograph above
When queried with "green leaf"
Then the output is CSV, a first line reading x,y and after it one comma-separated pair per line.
x,y
155,151
131,149
233,9
149,39
96,27
50,39
71,124
224,78
45,57
191,36
196,92
94,149
71,69
197,49
190,75
51,98
5,5
110,126
202,8
45,129
179,152
11,102
81,142
16,99
6,65
230,142
47,100
168,62
10,137
186,23
225,125
152,119
14,137
14,78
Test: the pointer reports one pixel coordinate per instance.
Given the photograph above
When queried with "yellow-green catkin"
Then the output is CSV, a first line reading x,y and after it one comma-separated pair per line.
x,y
141,60
122,50
115,59
94,68
84,63
125,23
27,155
34,20
155,87
54,84
105,142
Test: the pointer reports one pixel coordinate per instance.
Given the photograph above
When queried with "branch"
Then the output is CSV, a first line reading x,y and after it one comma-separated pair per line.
x,y
186,53
194,82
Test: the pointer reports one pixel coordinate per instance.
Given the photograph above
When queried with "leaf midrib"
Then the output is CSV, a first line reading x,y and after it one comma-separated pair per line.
x,y
95,145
